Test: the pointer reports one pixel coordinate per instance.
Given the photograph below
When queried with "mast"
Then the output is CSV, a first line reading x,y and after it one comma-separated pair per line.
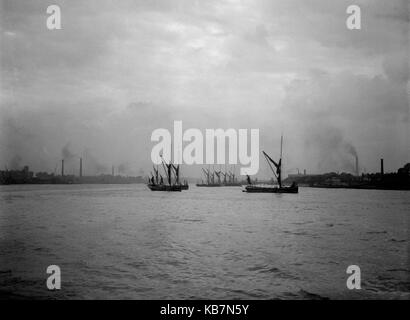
x,y
218,174
280,161
156,174
281,145
206,172
167,169
172,152
176,169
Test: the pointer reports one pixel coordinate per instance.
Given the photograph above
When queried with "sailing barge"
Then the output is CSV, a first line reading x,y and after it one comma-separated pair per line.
x,y
156,182
250,188
229,179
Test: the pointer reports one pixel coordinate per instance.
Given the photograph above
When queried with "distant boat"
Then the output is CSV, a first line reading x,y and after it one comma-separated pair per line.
x,y
251,188
208,185
229,179
164,187
156,182
270,189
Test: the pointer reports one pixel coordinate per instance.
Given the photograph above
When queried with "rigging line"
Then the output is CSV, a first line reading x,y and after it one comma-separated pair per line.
x,y
270,165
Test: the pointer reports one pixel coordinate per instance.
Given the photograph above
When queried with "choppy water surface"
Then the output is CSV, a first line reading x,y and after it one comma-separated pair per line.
x,y
124,241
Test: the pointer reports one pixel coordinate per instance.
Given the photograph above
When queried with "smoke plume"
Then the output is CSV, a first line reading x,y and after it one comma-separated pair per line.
x,y
334,151
66,153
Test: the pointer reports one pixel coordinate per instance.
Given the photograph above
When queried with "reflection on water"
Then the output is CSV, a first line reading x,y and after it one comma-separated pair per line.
x,y
125,241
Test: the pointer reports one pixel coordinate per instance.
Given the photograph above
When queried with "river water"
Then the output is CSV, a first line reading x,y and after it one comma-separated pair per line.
x,y
126,242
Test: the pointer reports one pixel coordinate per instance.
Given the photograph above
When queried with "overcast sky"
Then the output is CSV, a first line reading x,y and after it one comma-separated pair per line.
x,y
120,69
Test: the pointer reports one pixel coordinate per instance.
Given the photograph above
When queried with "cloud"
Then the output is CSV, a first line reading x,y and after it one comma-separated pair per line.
x,y
115,72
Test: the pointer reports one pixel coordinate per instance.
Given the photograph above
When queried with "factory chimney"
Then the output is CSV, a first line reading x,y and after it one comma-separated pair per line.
x,y
357,166
304,172
81,167
112,171
381,167
62,168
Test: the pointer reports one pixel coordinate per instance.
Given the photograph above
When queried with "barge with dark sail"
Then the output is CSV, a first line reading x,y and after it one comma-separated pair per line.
x,y
229,179
276,168
156,182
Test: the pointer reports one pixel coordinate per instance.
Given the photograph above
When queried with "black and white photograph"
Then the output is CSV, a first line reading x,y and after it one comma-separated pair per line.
x,y
215,150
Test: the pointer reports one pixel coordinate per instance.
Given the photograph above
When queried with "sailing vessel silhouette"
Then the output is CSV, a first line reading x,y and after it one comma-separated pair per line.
x,y
157,184
251,188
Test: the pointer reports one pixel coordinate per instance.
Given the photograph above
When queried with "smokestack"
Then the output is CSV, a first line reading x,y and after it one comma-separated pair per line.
x,y
381,167
304,172
62,168
81,167
357,166
112,171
